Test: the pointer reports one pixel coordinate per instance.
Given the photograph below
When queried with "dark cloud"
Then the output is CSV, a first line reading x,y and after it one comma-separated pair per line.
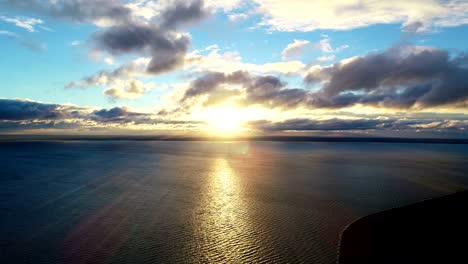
x,y
210,82
413,27
402,77
267,90
183,12
21,114
336,124
15,126
75,10
115,112
166,48
120,115
307,124
272,92
18,115
157,39
28,110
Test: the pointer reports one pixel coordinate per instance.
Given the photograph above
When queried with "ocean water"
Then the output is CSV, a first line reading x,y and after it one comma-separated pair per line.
x,y
206,202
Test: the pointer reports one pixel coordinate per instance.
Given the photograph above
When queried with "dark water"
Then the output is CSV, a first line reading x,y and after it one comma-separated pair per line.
x,y
205,202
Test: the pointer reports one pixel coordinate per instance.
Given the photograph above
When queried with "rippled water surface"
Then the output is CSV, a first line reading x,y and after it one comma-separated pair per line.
x,y
205,202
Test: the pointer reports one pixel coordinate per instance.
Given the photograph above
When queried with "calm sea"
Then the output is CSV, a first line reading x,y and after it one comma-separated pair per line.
x,y
206,202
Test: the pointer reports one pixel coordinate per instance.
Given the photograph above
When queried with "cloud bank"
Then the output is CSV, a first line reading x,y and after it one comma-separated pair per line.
x,y
401,77
302,15
19,115
24,115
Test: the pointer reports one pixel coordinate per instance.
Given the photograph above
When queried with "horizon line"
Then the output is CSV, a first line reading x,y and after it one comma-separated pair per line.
x,y
369,139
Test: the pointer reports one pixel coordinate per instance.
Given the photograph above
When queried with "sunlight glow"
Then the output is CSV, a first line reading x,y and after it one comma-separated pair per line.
x,y
225,121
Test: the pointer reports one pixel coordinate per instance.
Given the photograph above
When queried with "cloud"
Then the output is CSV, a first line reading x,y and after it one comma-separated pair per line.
x,y
166,47
101,12
119,82
127,89
271,92
300,15
227,62
126,32
123,115
299,47
129,70
325,59
209,82
414,27
295,49
24,115
29,110
119,115
212,47
18,115
266,90
23,22
237,17
404,76
75,43
303,124
337,124
136,37
231,61
183,12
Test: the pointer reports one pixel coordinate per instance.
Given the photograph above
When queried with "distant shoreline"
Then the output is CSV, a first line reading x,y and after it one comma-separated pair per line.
x,y
10,138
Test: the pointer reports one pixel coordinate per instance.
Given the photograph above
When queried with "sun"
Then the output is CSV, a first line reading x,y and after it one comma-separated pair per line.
x,y
225,121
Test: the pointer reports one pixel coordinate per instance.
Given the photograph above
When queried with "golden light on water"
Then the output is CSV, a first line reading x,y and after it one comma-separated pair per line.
x,y
225,224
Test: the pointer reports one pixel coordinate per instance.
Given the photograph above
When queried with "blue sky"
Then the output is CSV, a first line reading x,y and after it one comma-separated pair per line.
x,y
61,54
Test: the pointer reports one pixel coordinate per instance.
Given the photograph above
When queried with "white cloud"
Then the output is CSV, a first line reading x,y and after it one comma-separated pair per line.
x,y
24,22
295,49
342,47
299,47
232,61
237,17
309,15
325,59
212,47
325,46
75,43
225,5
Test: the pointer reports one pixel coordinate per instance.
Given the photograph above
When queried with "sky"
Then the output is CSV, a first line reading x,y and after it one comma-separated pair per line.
x,y
235,67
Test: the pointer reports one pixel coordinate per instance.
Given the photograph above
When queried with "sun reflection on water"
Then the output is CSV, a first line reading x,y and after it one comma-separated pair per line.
x,y
225,230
